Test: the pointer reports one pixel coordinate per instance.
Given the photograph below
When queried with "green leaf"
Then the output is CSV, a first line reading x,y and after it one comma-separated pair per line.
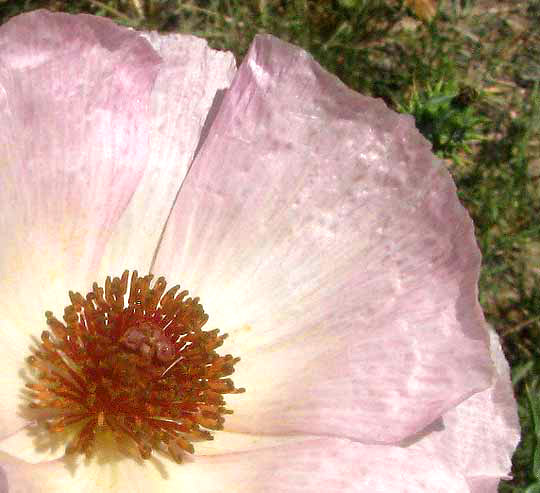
x,y
533,488
534,408
521,371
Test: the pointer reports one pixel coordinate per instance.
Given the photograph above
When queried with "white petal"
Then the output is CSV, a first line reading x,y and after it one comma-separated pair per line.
x,y
190,82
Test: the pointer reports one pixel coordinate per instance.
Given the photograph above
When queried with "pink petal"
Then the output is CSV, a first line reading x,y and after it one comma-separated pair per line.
x,y
95,149
320,231
479,436
483,485
74,92
189,82
311,466
468,451
73,107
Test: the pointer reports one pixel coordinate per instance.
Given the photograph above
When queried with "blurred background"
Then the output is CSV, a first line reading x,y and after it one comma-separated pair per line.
x,y
469,72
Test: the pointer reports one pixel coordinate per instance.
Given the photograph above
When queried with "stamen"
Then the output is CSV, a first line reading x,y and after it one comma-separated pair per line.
x,y
145,372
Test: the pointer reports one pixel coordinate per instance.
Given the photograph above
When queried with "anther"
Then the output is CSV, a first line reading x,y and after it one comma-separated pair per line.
x,y
133,360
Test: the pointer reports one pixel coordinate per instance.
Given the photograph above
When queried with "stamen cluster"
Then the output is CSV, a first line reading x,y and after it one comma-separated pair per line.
x,y
146,373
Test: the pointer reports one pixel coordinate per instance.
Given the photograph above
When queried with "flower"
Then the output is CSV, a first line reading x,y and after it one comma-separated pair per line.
x,y
315,225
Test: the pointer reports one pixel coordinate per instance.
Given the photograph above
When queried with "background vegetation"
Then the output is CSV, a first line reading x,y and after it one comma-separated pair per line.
x,y
470,74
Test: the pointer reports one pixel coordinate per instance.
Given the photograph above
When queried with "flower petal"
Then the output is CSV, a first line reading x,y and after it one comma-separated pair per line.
x,y
483,485
79,178
468,451
320,231
74,92
34,444
309,466
479,436
190,81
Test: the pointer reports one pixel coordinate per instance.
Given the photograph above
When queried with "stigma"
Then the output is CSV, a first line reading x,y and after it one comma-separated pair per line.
x,y
132,361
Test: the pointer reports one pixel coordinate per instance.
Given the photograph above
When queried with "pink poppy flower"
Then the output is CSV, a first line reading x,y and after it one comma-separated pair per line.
x,y
314,224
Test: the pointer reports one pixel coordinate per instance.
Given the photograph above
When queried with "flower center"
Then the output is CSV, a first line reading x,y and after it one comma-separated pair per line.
x,y
146,373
